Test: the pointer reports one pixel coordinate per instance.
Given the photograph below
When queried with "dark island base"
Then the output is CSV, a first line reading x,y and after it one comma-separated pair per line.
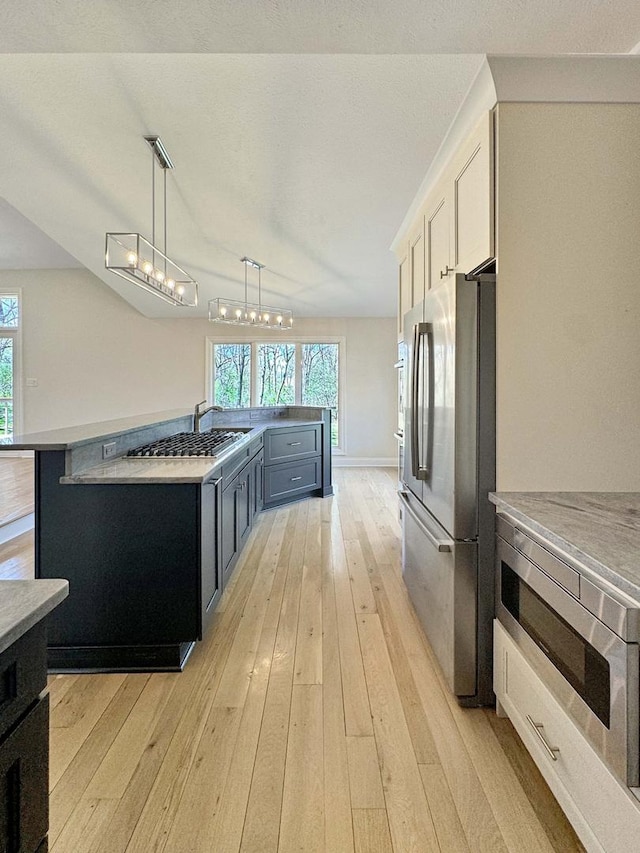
x,y
87,659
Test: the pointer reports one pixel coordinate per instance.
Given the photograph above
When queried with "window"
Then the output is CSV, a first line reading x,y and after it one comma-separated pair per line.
x,y
232,371
9,331
276,374
279,373
320,380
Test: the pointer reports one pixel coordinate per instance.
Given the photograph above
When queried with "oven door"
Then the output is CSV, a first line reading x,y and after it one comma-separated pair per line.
x,y
590,669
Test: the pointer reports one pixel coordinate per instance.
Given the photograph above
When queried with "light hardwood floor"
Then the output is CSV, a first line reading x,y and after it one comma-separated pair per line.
x,y
312,718
16,487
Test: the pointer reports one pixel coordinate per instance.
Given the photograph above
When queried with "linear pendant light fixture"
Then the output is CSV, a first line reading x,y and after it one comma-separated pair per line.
x,y
134,258
237,313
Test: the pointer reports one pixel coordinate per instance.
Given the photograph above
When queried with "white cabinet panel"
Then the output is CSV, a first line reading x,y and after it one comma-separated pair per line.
x,y
585,789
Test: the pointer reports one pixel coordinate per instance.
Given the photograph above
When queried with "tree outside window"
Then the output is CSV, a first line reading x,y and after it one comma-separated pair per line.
x,y
320,380
232,387
9,317
278,374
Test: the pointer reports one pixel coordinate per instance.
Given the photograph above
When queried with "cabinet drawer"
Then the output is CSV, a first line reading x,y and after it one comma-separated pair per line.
x,y
284,444
231,468
588,793
24,780
23,675
291,479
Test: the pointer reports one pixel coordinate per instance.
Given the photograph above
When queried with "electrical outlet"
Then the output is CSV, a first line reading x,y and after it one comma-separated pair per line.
x,y
109,450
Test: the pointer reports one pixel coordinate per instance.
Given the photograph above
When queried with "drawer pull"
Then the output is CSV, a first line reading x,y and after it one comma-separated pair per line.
x,y
293,443
293,479
537,727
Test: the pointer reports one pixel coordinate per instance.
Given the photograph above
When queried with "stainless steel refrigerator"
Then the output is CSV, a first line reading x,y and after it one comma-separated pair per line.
x,y
449,468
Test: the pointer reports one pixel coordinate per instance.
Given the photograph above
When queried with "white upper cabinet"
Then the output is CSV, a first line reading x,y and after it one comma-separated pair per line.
x,y
473,182
404,293
417,258
438,227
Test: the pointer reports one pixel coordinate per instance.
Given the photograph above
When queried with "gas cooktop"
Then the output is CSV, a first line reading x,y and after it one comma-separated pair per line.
x,y
189,444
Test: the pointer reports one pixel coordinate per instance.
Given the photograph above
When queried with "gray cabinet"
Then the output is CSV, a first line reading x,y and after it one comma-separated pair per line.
x,y
24,744
238,505
287,444
292,464
210,559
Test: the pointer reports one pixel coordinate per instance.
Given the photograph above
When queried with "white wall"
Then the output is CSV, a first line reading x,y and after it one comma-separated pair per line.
x,y
568,313
96,358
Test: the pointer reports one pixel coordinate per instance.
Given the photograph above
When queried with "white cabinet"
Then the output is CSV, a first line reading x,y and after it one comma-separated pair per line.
x,y
454,228
586,791
438,227
472,185
416,256
404,293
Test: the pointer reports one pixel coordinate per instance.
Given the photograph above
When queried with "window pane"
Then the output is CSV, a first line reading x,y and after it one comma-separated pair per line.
x,y
276,372
6,387
9,311
232,371
320,380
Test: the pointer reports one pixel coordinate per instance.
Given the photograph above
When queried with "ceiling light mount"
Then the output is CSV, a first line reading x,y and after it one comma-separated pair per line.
x,y
133,257
244,313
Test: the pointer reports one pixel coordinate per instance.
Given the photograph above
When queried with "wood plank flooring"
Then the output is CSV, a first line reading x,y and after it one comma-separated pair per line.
x,y
312,718
16,487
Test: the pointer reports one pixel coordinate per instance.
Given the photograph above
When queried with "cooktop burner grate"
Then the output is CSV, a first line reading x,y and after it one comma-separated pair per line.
x,y
189,444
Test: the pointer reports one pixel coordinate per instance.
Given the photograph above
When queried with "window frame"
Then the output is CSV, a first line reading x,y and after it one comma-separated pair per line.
x,y
15,332
298,340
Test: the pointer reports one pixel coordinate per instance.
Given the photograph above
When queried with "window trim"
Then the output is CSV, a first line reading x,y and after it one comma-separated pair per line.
x,y
15,332
212,340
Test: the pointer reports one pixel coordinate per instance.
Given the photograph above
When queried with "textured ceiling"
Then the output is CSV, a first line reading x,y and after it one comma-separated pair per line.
x,y
300,129
306,163
321,26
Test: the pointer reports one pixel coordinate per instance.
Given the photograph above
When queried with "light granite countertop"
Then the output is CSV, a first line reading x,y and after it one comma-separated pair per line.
x,y
69,437
24,603
181,469
600,530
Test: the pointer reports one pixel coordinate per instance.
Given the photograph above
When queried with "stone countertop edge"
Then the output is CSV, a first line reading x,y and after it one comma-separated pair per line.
x,y
71,437
600,531
132,470
67,438
23,603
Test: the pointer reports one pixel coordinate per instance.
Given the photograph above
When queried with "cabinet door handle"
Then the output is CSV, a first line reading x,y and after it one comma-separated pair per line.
x,y
293,443
445,272
550,750
293,479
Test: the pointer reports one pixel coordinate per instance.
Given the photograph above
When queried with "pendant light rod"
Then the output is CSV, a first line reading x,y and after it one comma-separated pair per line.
x,y
160,152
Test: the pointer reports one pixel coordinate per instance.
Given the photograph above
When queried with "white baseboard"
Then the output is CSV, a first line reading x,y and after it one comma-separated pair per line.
x,y
16,528
364,462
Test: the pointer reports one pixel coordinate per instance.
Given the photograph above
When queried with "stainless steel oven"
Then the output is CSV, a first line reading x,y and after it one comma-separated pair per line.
x,y
580,635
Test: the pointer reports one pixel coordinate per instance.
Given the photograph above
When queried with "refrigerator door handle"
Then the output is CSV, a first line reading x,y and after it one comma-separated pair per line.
x,y
438,544
415,377
420,461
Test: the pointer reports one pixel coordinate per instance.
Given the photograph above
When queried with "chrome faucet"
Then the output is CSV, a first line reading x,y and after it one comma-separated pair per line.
x,y
199,413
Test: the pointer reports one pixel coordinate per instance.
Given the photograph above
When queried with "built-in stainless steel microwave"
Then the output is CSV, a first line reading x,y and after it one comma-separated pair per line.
x,y
581,637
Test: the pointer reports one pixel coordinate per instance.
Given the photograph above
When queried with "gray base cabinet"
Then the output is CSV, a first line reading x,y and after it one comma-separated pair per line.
x,y
292,464
241,496
24,744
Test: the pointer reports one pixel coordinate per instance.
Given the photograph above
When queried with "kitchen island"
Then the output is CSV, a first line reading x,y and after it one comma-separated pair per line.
x,y
149,544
